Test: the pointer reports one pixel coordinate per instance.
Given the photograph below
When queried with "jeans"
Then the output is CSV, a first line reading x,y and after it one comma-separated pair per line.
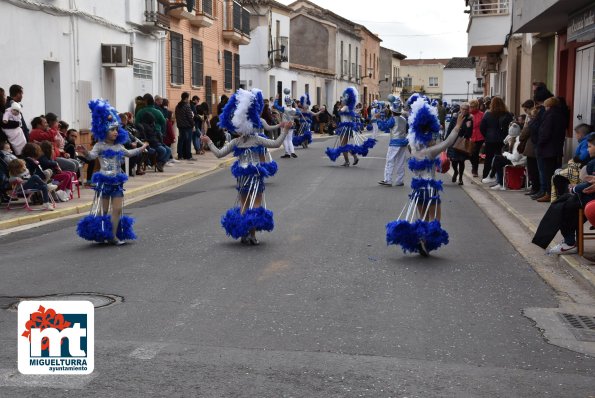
x,y
163,154
36,183
533,172
196,140
547,168
185,142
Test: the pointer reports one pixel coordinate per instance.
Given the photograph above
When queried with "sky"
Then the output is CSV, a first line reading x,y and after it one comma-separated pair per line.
x,y
416,28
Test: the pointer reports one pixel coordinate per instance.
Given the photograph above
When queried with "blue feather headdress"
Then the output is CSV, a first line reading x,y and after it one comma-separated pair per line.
x,y
349,97
305,100
423,122
105,118
242,112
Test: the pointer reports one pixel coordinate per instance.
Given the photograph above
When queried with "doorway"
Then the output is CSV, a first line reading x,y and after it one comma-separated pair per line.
x,y
584,86
51,85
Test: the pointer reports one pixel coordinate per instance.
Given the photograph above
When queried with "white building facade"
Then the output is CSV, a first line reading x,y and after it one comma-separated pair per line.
x,y
460,83
66,52
265,61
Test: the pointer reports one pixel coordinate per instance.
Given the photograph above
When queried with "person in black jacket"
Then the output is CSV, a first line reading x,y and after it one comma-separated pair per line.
x,y
16,94
494,127
185,122
457,158
549,147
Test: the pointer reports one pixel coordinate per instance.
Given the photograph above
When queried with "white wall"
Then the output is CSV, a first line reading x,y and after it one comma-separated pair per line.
x,y
256,52
356,47
455,84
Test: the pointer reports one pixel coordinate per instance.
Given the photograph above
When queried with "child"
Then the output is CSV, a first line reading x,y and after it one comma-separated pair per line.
x,y
6,152
109,180
17,169
15,136
63,178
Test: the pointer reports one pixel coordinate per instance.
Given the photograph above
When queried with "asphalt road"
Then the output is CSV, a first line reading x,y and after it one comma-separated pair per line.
x,y
322,308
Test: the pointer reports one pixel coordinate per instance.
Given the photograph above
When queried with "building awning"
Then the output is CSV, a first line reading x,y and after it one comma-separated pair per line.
x,y
553,18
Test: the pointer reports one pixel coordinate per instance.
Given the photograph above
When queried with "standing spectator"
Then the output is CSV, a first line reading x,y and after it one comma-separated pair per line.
x,y
267,115
494,128
185,123
169,137
224,99
194,105
14,136
476,136
323,119
16,95
526,148
442,115
458,158
550,143
3,137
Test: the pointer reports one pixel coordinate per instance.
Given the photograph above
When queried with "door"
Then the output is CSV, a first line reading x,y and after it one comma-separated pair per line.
x,y
584,83
51,85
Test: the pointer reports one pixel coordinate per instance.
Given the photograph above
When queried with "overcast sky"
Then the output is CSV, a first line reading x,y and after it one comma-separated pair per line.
x,y
430,28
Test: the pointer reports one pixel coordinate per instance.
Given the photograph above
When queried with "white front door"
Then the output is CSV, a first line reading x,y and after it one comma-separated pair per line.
x,y
584,83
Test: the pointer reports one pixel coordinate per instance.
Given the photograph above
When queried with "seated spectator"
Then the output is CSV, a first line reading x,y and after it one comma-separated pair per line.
x,y
569,175
562,215
15,136
510,156
41,131
31,154
133,142
19,174
155,140
6,156
70,147
63,178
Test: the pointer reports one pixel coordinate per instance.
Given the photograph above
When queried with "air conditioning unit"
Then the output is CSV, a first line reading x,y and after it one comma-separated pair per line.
x,y
116,55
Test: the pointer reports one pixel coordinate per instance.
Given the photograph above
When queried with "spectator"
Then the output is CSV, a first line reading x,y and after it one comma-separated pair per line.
x,y
155,140
222,103
139,103
324,119
185,122
31,154
160,122
59,142
134,162
195,105
476,137
267,115
526,148
550,143
458,158
511,156
16,95
3,137
14,136
18,172
494,128
63,178
169,137
215,133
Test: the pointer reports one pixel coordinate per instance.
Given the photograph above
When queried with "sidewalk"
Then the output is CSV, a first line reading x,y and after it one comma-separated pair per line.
x,y
529,213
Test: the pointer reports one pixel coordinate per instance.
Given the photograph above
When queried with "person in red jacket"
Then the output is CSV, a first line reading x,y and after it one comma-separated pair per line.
x,y
476,136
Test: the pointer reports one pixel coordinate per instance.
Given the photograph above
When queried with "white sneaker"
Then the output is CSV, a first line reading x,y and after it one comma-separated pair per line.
x,y
498,187
169,164
63,196
174,161
563,248
68,192
488,179
52,187
47,206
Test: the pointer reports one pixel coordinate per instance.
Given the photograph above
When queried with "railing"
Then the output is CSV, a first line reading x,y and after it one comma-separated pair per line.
x,y
155,13
489,7
281,42
237,16
477,88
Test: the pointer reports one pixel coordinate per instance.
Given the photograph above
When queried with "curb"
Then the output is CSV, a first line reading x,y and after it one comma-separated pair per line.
x,y
155,187
570,262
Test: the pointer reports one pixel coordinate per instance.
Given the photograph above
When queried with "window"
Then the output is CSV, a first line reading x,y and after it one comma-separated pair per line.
x,y
307,88
143,71
433,82
357,75
236,71
228,70
407,81
349,62
197,63
177,58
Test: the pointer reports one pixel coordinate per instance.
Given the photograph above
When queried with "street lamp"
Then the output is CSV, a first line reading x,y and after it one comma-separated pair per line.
x,y
468,81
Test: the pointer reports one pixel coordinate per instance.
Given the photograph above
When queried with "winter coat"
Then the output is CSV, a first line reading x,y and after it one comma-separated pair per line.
x,y
493,128
515,157
184,116
477,136
551,134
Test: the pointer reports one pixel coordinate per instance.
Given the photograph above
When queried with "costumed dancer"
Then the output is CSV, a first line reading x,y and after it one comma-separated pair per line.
x,y
349,139
376,116
396,126
288,114
418,228
109,181
304,133
241,115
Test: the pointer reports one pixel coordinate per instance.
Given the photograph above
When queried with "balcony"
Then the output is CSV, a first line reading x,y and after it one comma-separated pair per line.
x,y
155,16
489,23
281,47
236,22
180,11
203,14
477,88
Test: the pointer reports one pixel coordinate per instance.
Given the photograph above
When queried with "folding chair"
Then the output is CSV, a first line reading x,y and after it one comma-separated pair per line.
x,y
75,183
582,235
19,191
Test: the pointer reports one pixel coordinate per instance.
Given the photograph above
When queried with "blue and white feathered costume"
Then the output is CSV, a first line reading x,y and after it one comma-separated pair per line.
x,y
376,116
303,136
241,115
109,180
418,223
349,138
288,114
396,126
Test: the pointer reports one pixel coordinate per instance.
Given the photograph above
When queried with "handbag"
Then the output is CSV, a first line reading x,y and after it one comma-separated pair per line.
x,y
444,165
463,144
